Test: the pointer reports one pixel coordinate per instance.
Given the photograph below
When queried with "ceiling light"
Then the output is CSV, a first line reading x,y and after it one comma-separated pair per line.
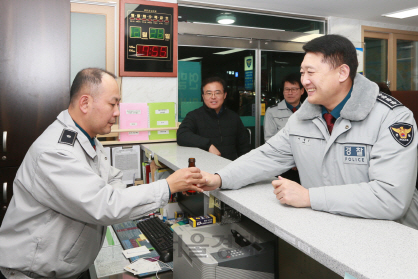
x,y
306,38
229,51
190,58
403,13
225,18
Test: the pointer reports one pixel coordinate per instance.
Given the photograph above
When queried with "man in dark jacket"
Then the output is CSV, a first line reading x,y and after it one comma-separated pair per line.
x,y
213,127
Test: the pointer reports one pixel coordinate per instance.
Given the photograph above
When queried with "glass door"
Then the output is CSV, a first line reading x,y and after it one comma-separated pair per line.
x,y
252,69
275,65
234,65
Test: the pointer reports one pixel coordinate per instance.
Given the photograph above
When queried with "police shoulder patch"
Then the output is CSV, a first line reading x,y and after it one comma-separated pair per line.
x,y
68,137
388,100
403,133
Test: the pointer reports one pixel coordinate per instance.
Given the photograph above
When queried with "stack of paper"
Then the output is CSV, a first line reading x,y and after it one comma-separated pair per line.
x,y
143,266
162,115
128,160
133,116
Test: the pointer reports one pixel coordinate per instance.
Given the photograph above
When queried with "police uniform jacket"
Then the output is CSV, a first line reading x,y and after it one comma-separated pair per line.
x,y
275,119
202,127
65,194
366,168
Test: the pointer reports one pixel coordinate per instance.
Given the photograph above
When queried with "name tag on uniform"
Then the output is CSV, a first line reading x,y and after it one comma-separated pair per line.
x,y
355,155
305,141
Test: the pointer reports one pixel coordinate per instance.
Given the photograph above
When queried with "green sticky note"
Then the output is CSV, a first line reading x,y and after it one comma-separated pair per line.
x,y
109,237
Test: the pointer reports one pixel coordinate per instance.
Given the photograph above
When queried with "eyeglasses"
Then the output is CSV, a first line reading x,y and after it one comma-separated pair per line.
x,y
216,94
294,90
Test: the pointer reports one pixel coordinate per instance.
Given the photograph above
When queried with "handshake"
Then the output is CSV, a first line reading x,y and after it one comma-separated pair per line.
x,y
193,179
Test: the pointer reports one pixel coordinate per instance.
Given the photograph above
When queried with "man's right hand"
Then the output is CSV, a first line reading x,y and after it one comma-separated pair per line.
x,y
212,181
185,180
214,150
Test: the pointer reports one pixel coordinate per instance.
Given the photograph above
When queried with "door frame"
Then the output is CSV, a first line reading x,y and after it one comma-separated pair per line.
x,y
392,35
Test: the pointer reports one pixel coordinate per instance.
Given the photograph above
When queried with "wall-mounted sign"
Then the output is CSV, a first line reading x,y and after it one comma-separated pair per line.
x,y
148,39
249,73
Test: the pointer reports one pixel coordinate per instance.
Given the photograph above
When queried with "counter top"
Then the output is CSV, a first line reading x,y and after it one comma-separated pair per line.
x,y
363,248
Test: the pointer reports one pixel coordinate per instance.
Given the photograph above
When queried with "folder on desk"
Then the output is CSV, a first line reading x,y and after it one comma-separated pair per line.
x,y
133,116
162,115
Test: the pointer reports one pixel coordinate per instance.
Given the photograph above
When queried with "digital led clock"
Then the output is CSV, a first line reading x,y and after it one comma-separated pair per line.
x,y
156,33
151,51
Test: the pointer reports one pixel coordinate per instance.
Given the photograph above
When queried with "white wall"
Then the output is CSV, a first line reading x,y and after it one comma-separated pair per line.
x,y
351,28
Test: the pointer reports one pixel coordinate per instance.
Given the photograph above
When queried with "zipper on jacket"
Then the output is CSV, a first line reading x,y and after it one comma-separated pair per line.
x,y
219,127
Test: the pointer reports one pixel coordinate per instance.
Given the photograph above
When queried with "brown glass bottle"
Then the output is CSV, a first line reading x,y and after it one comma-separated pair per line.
x,y
192,163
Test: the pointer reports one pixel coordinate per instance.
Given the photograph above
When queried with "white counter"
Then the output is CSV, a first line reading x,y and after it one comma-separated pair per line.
x,y
363,248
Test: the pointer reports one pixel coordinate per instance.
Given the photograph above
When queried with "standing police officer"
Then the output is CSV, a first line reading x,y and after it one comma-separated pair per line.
x,y
66,192
354,146
277,116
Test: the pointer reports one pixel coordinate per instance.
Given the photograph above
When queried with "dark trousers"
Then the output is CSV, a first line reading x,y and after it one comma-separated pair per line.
x,y
2,276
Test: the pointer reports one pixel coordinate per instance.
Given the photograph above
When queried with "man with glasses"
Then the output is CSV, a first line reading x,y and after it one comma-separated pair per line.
x,y
213,127
276,116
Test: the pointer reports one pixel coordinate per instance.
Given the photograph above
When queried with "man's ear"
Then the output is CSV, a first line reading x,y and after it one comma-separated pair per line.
x,y
344,72
84,103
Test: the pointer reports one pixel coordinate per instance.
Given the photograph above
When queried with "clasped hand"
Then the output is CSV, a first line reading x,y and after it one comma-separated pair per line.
x,y
186,180
291,193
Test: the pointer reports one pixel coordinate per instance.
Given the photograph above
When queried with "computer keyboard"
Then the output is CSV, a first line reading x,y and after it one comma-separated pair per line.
x,y
160,236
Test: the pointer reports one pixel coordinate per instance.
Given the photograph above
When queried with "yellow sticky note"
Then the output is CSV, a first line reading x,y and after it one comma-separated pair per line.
x,y
175,225
211,201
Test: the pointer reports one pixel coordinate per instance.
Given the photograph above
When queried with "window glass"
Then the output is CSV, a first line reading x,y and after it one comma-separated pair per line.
x,y
376,59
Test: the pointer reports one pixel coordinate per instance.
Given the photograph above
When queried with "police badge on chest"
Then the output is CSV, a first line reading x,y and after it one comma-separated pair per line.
x,y
355,155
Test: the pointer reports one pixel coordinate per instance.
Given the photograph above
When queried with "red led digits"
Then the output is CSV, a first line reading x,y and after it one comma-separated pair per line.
x,y
151,51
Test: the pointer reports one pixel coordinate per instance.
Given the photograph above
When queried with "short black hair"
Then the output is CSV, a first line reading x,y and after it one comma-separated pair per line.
x,y
213,79
337,50
88,76
293,78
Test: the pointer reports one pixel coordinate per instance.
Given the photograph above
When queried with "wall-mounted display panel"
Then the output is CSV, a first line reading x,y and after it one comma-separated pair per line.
x,y
148,39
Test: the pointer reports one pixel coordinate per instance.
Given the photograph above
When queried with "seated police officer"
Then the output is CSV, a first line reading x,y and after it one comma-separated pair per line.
x,y
66,192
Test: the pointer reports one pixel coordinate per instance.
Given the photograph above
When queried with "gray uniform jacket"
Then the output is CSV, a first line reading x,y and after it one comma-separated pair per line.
x,y
275,119
362,169
64,197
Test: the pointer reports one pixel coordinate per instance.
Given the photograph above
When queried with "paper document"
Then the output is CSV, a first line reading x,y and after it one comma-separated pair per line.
x,y
128,160
110,261
138,251
162,115
143,266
